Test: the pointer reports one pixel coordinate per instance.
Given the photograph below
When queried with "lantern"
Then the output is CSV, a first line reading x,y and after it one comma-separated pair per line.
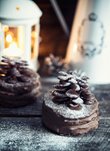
x,y
19,22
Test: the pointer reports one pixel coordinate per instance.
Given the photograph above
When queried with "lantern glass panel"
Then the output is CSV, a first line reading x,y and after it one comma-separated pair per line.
x,y
34,41
14,40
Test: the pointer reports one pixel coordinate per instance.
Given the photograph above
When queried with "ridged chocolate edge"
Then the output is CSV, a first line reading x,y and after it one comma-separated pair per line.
x,y
64,126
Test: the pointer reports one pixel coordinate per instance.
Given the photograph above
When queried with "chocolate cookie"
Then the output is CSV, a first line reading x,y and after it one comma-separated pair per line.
x,y
19,85
71,108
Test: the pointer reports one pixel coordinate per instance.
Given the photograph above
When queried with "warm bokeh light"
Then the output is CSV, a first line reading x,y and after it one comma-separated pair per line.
x,y
5,28
15,44
9,38
13,51
33,42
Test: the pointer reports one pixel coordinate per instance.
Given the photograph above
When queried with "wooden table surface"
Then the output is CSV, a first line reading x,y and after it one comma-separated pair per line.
x,y
21,129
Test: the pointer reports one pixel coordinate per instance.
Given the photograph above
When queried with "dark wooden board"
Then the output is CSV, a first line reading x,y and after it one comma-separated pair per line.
x,y
26,111
36,109
28,134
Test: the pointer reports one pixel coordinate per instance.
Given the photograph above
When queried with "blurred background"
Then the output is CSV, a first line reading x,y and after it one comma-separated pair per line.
x,y
53,37
77,31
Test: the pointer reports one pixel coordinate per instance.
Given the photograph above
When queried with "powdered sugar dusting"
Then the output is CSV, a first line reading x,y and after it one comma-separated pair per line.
x,y
31,136
63,110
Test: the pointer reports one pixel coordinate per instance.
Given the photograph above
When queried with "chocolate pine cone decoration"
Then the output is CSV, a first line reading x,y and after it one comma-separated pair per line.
x,y
71,108
72,90
53,65
19,85
10,70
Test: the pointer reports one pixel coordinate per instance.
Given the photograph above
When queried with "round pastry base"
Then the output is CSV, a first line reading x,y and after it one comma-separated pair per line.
x,y
15,102
64,121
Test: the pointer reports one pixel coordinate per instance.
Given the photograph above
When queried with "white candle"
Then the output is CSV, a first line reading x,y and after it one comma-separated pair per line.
x,y
12,51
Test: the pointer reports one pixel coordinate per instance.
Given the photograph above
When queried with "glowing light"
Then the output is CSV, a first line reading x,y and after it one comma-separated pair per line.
x,y
13,45
9,38
34,34
12,51
5,28
75,48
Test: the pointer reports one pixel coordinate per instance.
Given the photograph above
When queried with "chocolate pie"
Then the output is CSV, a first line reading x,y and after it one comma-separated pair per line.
x,y
70,108
19,85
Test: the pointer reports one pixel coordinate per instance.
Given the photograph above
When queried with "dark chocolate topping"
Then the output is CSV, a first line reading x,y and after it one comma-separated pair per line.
x,y
10,70
72,89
